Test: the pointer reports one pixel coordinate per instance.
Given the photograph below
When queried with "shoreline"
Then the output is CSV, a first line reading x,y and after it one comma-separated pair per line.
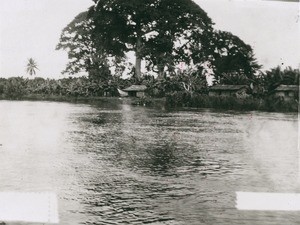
x,y
171,102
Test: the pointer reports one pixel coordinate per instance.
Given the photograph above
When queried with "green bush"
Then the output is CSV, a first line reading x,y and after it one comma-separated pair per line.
x,y
14,87
183,99
18,87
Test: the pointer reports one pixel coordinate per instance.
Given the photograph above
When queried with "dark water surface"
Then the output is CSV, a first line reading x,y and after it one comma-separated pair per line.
x,y
123,164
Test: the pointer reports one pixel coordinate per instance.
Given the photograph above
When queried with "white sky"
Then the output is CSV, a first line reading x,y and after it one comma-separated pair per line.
x,y
31,28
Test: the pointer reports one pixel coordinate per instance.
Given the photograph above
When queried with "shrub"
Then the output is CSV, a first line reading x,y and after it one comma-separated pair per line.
x,y
183,99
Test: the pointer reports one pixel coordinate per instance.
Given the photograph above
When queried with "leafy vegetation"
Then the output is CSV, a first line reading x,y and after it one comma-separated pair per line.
x,y
185,89
182,99
18,87
276,76
151,29
162,33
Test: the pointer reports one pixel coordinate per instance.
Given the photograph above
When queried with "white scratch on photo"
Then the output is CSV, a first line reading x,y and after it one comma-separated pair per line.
x,y
28,207
267,201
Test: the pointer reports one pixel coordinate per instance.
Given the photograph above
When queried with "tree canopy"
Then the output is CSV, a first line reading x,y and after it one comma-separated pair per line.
x,y
153,29
163,33
83,53
227,55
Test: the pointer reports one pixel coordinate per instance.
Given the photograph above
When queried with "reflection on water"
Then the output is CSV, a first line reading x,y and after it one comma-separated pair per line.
x,y
121,164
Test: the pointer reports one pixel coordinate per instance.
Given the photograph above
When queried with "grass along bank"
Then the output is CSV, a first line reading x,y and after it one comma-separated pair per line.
x,y
84,90
176,100
270,103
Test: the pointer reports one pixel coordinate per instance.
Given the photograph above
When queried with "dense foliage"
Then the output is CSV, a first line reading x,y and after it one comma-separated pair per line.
x,y
162,33
186,88
276,76
18,87
156,30
84,55
182,99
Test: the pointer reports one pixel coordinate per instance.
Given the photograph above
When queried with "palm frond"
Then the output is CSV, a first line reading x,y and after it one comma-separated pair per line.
x,y
31,67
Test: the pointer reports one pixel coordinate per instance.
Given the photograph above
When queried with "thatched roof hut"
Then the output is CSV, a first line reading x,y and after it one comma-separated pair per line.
x,y
136,90
287,92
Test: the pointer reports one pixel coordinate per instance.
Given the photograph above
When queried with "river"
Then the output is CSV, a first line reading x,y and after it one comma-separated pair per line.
x,y
114,163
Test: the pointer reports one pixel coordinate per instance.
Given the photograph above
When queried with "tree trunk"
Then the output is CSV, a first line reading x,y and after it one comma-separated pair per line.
x,y
138,62
138,59
160,72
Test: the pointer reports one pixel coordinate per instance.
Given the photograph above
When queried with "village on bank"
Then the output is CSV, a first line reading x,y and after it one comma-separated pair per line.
x,y
284,92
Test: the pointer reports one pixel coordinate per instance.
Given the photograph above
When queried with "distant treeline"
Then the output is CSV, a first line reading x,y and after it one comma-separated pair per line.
x,y
268,103
185,89
18,87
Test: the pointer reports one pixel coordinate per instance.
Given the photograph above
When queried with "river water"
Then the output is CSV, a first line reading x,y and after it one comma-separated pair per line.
x,y
114,163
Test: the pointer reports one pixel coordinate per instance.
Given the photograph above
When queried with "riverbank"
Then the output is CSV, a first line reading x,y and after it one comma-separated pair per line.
x,y
268,104
176,100
59,98
149,102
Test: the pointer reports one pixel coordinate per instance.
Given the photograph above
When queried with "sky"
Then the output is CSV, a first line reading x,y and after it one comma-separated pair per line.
x,y
31,28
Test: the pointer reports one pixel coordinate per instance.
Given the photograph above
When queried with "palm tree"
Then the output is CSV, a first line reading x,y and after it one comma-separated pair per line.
x,y
291,76
31,67
277,76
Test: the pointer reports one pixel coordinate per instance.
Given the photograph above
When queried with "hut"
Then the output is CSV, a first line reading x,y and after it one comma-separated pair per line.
x,y
228,90
287,92
136,91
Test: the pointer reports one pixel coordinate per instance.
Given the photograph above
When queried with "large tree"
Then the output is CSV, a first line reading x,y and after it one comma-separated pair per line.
x,y
227,55
153,29
163,33
83,53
